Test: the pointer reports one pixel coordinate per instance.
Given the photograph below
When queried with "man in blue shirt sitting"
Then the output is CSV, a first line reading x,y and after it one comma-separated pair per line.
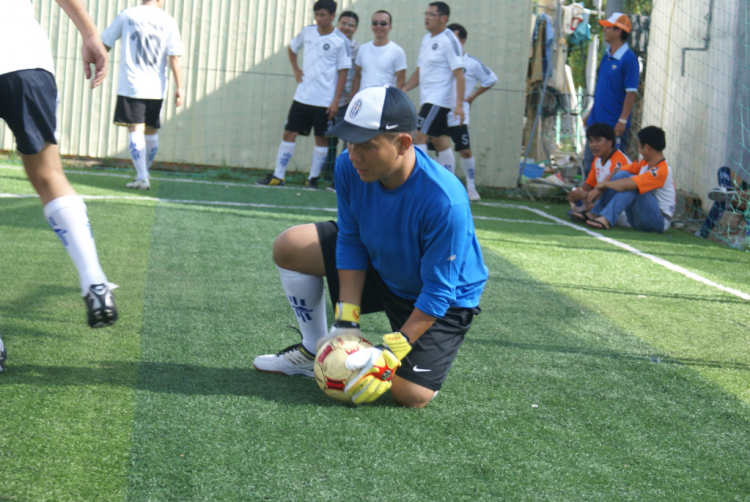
x,y
616,84
404,244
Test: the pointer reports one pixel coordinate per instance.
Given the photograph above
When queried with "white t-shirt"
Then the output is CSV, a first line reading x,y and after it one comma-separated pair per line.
x,y
324,56
23,42
474,71
380,64
346,96
438,57
148,36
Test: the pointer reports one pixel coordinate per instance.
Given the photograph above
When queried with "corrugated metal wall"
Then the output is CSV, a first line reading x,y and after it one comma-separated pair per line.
x,y
694,108
239,83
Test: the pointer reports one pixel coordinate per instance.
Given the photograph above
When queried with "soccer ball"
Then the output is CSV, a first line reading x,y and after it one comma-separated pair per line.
x,y
330,368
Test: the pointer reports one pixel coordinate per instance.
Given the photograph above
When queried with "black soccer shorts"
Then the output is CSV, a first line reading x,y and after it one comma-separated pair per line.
x,y
134,111
303,118
430,360
460,136
432,120
28,104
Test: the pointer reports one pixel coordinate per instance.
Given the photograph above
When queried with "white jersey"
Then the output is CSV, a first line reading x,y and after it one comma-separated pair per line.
x,y
324,56
23,42
148,35
474,71
438,57
380,64
347,94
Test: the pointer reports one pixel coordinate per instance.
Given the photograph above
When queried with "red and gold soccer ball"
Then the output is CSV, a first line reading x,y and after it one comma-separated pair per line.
x,y
331,372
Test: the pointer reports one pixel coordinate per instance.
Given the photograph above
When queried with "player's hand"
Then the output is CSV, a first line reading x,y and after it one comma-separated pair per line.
x,y
619,129
346,323
459,113
377,365
94,53
298,74
333,110
178,97
470,100
594,195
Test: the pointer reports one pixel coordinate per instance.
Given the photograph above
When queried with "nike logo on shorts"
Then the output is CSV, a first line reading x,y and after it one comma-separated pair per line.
x,y
417,369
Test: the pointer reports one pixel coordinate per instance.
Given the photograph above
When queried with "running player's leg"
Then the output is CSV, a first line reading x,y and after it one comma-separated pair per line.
x,y
66,214
137,147
151,135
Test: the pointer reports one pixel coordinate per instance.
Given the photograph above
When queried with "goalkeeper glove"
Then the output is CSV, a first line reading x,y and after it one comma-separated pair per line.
x,y
378,365
346,323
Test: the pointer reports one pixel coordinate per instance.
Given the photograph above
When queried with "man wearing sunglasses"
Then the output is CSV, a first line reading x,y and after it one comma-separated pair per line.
x,y
440,75
380,62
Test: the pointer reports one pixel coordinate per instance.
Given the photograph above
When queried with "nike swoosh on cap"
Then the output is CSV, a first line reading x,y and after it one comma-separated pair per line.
x,y
389,127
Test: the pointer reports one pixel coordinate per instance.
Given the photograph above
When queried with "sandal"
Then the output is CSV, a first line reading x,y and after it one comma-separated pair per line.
x,y
577,217
597,225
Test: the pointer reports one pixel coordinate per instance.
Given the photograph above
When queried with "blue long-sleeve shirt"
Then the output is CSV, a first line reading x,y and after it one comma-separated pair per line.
x,y
419,237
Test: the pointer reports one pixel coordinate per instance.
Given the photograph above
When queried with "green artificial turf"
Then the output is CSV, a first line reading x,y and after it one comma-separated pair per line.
x,y
591,374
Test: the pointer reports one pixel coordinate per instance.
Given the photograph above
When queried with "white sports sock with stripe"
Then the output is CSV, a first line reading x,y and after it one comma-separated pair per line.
x,y
447,160
137,147
469,170
306,296
286,152
67,217
152,146
318,159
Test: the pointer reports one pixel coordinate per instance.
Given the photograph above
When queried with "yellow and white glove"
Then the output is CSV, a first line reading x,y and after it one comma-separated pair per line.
x,y
346,323
378,365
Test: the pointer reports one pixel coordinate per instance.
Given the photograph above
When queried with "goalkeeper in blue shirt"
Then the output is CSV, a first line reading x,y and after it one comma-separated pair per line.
x,y
404,244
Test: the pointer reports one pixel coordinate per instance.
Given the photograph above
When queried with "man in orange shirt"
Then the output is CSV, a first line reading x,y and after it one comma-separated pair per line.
x,y
607,161
644,189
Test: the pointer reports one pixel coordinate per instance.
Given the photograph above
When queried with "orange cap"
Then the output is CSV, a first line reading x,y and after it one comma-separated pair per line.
x,y
618,20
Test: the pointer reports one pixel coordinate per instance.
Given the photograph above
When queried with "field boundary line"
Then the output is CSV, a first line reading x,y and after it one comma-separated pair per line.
x,y
176,180
659,261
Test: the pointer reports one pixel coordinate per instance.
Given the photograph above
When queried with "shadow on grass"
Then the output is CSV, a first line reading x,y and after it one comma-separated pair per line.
x,y
175,378
604,354
719,297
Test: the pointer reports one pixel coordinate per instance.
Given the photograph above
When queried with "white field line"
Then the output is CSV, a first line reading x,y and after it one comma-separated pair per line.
x,y
622,245
177,180
659,261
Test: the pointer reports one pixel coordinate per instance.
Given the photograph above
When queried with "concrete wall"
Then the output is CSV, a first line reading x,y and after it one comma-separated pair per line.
x,y
240,85
698,110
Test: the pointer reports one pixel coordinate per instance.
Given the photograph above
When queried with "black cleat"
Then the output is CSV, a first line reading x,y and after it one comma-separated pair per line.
x,y
311,183
101,306
271,181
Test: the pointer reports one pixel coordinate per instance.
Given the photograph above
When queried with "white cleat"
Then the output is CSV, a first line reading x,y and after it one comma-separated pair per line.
x,y
293,360
139,184
473,194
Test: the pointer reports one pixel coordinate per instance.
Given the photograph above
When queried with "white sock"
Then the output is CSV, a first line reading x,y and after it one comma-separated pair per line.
x,y
286,151
67,217
447,160
152,146
318,159
137,146
306,296
469,171
422,146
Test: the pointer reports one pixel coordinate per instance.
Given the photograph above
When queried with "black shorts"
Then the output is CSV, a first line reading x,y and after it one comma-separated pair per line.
x,y
460,136
303,118
28,104
430,360
433,120
133,111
